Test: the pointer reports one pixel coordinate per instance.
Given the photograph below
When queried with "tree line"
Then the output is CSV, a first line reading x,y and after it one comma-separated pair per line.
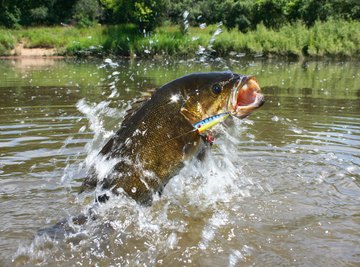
x,y
148,14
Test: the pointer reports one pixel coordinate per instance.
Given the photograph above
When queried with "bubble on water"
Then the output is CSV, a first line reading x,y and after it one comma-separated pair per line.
x,y
275,118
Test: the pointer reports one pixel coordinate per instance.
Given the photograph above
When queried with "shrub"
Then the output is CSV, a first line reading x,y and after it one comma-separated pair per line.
x,y
39,14
10,18
86,12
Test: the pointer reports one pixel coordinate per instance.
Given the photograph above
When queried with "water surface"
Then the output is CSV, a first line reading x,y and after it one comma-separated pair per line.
x,y
281,188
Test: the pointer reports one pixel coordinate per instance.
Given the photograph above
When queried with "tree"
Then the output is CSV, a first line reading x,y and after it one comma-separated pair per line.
x,y
146,14
86,12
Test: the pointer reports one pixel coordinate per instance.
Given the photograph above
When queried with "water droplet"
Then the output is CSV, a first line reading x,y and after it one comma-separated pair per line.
x,y
275,118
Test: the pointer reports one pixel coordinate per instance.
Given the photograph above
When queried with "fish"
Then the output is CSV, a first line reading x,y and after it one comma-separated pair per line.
x,y
159,134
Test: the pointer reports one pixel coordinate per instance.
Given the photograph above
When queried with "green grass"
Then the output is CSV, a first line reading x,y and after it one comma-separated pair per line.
x,y
324,39
7,42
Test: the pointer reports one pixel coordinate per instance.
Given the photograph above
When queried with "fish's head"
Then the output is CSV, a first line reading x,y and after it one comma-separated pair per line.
x,y
209,94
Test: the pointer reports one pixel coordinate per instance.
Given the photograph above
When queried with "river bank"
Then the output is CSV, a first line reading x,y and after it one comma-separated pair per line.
x,y
333,39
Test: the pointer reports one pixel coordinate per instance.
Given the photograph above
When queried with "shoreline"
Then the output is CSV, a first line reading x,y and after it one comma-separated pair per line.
x,y
21,50
334,40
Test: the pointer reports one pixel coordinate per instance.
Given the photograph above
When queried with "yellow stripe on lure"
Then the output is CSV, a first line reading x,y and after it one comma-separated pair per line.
x,y
210,122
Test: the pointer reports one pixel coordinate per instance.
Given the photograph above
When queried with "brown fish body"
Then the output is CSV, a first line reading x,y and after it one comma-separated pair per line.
x,y
155,140
151,147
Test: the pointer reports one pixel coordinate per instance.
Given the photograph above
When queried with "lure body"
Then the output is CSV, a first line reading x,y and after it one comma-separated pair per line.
x,y
205,124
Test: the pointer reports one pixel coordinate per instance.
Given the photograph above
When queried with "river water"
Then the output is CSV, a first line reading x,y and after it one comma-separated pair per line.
x,y
281,188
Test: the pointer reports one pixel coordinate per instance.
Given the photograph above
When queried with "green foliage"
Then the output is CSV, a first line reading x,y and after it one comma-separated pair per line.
x,y
35,12
146,14
333,38
269,12
10,16
247,14
86,12
202,11
239,15
39,14
120,39
7,42
244,15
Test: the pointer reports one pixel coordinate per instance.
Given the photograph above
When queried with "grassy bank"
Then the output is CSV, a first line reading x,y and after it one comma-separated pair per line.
x,y
327,39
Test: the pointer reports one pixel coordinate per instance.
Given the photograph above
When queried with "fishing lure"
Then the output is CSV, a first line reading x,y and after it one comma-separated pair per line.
x,y
210,122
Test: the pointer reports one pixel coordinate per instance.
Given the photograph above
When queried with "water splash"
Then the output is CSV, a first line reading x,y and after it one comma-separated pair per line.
x,y
110,63
205,53
185,25
217,220
213,37
207,187
202,186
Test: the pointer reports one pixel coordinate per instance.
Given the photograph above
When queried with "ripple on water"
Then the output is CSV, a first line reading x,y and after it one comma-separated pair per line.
x,y
280,188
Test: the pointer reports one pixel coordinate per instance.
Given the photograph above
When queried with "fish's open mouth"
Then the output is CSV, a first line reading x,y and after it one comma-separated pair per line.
x,y
246,97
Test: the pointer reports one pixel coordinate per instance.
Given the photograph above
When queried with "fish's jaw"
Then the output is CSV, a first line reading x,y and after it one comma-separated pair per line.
x,y
245,97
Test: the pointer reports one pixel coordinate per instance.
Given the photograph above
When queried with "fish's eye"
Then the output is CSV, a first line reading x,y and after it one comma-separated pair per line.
x,y
216,89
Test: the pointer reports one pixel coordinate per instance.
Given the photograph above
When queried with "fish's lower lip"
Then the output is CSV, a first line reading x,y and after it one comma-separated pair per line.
x,y
243,111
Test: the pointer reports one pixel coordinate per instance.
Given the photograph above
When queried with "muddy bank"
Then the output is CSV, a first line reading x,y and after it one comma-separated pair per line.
x,y
21,51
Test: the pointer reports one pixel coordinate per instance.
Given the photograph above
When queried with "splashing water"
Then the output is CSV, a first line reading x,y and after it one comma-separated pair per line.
x,y
185,25
109,62
205,186
205,53
213,37
281,189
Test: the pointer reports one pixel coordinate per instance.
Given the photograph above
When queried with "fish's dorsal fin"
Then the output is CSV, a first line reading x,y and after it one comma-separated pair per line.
x,y
138,103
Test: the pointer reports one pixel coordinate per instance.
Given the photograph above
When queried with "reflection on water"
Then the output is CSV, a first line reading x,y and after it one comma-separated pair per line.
x,y
280,188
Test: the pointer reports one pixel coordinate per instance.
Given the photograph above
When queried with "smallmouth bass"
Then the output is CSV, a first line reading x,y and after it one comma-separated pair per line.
x,y
157,137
